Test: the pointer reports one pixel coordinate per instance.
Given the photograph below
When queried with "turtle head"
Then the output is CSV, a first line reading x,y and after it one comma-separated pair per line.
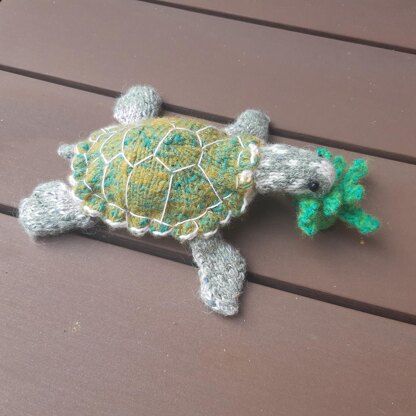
x,y
284,168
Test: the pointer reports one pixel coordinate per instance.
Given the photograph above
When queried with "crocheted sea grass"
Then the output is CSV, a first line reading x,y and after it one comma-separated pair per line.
x,y
342,202
166,176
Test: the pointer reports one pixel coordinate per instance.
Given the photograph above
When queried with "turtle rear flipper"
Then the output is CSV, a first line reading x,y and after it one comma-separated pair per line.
x,y
51,209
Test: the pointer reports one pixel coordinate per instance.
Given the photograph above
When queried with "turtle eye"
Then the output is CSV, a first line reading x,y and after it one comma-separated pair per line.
x,y
313,186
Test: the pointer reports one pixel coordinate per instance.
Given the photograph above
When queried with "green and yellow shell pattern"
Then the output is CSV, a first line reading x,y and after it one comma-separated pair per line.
x,y
165,176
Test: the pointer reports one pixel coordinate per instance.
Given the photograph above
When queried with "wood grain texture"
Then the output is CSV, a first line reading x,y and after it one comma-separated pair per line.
x,y
380,21
335,91
88,328
37,116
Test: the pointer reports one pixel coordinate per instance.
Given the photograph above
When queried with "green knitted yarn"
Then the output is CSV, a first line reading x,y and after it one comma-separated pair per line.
x,y
342,202
165,176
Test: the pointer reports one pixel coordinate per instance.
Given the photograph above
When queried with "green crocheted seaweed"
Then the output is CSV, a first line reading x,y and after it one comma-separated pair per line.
x,y
342,202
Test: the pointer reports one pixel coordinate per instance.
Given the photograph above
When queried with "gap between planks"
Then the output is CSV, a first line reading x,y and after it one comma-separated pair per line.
x,y
102,234
321,141
283,26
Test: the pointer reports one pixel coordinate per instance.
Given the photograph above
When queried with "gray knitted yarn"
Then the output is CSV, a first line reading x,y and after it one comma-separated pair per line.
x,y
284,168
66,151
51,210
253,122
222,272
138,103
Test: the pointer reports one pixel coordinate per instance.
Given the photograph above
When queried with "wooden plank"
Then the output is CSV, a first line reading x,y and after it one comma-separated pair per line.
x,y
37,116
90,328
379,22
337,92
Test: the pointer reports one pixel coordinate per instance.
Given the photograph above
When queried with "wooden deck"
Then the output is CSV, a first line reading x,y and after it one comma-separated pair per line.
x,y
108,324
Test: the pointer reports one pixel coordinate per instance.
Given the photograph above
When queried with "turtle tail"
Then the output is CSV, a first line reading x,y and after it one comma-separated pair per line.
x,y
66,151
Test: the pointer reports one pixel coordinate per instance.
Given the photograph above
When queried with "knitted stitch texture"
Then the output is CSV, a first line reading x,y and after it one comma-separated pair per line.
x,y
165,176
222,272
138,103
67,151
252,122
52,210
284,168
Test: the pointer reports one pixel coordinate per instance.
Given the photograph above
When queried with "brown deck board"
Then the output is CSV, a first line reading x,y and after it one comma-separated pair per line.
x,y
90,328
37,116
384,21
341,92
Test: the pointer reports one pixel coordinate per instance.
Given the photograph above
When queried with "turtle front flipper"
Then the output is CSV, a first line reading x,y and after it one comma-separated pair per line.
x,y
137,104
222,272
253,122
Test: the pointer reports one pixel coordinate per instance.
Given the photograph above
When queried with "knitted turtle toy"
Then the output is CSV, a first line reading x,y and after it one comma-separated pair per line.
x,y
177,177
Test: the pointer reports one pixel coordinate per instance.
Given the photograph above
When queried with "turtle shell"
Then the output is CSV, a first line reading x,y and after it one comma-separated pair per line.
x,y
165,176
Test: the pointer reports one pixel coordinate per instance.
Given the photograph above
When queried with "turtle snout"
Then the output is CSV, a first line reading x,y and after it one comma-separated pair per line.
x,y
325,178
